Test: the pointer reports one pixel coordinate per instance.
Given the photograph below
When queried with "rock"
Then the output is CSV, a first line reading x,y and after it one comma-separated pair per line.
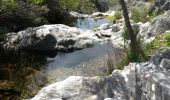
x,y
103,33
86,88
162,5
137,81
33,83
9,90
167,13
78,15
157,58
141,4
105,26
115,28
165,64
159,25
49,38
21,81
102,15
97,14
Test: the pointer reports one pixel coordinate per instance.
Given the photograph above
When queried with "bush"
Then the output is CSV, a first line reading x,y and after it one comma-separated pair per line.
x,y
84,6
167,38
16,15
115,18
140,14
160,42
6,6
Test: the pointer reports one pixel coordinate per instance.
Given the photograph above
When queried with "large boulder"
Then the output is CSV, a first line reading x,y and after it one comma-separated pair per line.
x,y
138,81
49,38
159,25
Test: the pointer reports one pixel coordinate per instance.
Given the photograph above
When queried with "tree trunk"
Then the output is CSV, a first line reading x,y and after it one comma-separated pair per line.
x,y
133,44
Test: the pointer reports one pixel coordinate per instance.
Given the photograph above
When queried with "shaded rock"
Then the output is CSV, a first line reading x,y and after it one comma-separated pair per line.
x,y
9,90
165,64
25,81
157,58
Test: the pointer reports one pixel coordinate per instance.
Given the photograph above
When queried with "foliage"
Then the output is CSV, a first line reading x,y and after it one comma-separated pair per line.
x,y
38,1
115,18
151,1
167,38
6,6
16,15
85,6
140,14
160,42
125,33
3,30
116,61
96,26
40,20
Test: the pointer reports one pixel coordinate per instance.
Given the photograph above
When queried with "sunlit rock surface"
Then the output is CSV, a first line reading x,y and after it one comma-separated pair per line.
x,y
49,38
139,81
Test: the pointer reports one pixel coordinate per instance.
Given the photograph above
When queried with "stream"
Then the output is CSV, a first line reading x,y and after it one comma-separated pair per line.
x,y
87,62
56,66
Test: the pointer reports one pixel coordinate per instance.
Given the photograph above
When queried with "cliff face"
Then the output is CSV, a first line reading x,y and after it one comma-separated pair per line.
x,y
138,81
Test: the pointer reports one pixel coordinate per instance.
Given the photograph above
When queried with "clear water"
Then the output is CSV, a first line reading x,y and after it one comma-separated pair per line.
x,y
90,23
67,64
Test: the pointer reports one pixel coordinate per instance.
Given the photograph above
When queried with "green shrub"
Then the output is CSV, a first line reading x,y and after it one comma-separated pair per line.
x,y
40,20
6,6
85,6
167,38
115,18
140,14
160,42
3,30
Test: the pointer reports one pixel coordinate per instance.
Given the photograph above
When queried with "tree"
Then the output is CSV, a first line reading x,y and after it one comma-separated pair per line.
x,y
136,53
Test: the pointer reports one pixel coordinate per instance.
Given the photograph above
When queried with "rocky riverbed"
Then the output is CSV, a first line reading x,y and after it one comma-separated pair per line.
x,y
138,81
119,86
